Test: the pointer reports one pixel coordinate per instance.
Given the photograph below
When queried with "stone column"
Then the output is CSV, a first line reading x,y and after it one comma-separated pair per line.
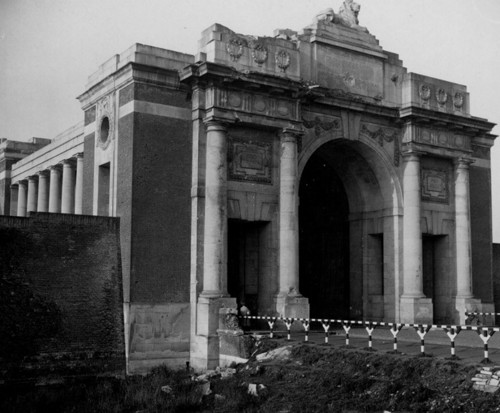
x,y
214,298
43,191
464,298
415,307
55,189
68,187
215,234
79,184
289,301
22,198
32,194
14,195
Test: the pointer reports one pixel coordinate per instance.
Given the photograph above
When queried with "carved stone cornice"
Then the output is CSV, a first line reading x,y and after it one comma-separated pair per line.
x,y
468,125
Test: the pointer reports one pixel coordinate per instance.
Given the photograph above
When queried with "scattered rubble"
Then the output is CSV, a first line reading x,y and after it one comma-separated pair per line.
x,y
487,380
256,389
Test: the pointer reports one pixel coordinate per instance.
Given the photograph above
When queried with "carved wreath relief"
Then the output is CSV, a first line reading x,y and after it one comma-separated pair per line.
x,y
424,92
234,47
441,97
458,100
283,60
259,53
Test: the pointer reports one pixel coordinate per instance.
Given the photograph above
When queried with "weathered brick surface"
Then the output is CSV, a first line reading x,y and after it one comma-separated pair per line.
x,y
61,296
481,234
162,213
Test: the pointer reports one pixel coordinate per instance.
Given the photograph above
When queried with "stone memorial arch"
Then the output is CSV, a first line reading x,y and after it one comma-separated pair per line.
x,y
303,174
327,181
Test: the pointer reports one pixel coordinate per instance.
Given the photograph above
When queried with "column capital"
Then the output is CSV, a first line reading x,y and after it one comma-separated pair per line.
x,y
214,124
78,155
33,177
68,162
56,167
412,154
44,172
463,162
291,134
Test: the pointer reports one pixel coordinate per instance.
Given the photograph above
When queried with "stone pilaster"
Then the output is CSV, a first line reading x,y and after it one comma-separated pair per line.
x,y
22,196
464,299
214,296
43,191
79,184
68,187
55,189
32,194
415,307
289,301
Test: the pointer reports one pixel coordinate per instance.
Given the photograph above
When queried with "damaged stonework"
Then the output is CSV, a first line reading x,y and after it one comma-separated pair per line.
x,y
234,345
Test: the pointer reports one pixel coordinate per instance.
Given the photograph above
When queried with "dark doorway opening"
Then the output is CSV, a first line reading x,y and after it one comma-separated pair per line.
x,y
245,262
324,240
435,263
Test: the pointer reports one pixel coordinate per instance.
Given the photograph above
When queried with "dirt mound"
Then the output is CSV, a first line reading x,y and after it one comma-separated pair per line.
x,y
312,378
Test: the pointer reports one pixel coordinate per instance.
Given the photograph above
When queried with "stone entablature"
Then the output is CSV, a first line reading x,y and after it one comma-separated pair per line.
x,y
64,146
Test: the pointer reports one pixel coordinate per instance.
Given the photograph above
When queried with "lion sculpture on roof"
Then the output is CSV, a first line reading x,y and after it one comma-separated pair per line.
x,y
347,15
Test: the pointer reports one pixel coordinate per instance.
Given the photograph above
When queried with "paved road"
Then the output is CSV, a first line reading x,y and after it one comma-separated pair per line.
x,y
468,345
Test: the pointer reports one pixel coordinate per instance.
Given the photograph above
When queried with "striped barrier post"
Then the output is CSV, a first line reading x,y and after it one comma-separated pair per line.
x,y
452,333
422,330
485,335
270,322
305,324
326,327
347,327
395,329
369,329
288,323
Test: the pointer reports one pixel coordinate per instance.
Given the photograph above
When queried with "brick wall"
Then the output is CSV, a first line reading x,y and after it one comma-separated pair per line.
x,y
61,297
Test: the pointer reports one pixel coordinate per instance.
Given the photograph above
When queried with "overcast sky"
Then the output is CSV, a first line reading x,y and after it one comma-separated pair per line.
x,y
48,48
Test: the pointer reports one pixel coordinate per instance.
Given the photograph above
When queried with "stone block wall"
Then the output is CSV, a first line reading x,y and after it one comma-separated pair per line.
x,y
61,311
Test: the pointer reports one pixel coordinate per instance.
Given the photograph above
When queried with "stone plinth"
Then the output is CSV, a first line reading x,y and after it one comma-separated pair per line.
x,y
416,310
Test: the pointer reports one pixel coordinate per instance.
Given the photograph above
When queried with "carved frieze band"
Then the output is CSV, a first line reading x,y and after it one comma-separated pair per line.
x,y
381,135
255,103
435,186
250,161
441,138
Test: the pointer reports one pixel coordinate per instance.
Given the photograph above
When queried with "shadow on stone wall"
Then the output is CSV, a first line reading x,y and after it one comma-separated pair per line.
x,y
61,305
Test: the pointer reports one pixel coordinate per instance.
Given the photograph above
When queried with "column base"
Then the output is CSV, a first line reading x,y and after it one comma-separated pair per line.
x,y
417,310
293,306
471,305
204,354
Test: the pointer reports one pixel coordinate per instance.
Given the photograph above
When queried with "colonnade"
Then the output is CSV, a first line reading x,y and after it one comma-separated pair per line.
x,y
57,189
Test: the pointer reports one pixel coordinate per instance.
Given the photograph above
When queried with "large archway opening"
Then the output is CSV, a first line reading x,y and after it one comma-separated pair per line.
x,y
346,228
324,239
